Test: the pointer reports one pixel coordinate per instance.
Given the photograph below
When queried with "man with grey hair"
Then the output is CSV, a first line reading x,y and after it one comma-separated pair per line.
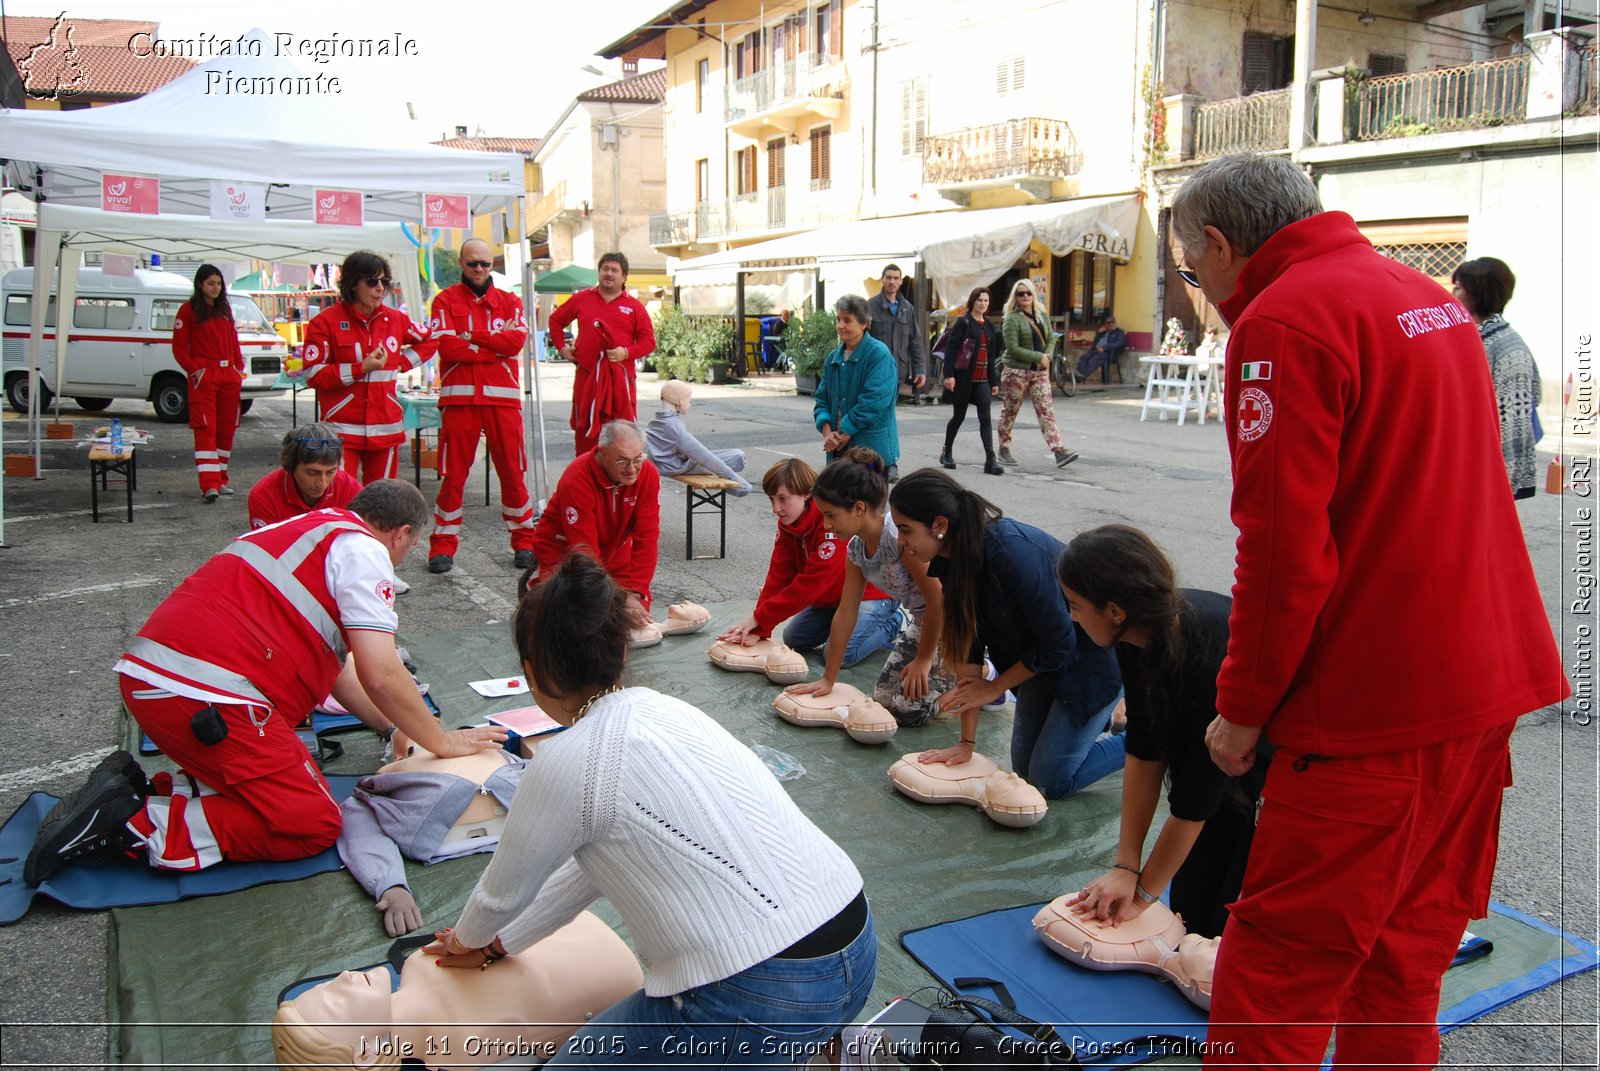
x,y
1371,506
607,504
310,476
854,400
226,668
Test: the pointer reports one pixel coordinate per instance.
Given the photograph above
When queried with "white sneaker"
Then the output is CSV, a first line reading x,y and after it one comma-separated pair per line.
x,y
400,586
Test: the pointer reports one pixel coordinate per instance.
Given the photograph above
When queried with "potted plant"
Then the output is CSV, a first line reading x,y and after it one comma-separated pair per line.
x,y
714,343
807,341
671,357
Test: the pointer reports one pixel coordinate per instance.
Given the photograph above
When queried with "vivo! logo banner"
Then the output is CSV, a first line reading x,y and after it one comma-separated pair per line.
x,y
339,207
130,193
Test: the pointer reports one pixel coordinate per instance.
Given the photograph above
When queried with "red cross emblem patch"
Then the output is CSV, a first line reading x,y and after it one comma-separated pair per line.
x,y
1255,414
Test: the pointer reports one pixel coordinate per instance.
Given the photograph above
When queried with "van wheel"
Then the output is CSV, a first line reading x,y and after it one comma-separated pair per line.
x,y
171,398
17,393
244,406
92,405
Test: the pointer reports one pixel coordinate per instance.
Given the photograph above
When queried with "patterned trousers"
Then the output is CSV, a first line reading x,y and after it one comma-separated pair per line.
x,y
888,690
1035,384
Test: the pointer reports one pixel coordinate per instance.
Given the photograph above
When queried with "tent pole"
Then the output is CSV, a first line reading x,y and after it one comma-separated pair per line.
x,y
532,408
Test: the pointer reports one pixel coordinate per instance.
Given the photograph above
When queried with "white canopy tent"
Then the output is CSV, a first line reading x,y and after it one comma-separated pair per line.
x,y
243,119
958,249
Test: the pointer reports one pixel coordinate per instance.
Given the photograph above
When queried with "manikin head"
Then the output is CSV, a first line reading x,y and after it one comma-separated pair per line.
x,y
678,394
311,454
530,1002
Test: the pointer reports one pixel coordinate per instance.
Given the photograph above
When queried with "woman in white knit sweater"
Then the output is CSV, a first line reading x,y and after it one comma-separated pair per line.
x,y
751,924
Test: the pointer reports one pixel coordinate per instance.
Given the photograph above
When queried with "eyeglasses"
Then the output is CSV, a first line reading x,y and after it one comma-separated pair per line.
x,y
380,281
319,444
627,462
478,263
1188,276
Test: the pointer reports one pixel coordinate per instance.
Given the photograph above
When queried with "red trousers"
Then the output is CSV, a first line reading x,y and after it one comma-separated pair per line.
x,y
214,416
582,444
255,796
1362,877
460,428
377,463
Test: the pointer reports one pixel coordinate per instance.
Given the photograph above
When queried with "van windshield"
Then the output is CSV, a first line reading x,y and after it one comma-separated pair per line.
x,y
247,315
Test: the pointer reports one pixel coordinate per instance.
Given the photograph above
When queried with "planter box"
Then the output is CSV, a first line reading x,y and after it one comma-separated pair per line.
x,y
62,430
721,373
806,382
20,465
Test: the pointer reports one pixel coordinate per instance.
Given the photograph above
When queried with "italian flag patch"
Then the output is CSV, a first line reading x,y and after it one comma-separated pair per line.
x,y
1256,370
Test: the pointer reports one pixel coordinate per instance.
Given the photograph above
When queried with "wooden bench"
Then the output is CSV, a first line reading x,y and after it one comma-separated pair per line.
x,y
706,494
102,462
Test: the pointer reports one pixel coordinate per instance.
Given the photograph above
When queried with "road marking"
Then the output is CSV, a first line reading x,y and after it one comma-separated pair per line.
x,y
35,776
780,453
81,513
93,589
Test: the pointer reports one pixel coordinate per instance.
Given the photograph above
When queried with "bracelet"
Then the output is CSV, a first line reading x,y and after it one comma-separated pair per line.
x,y
1135,871
1142,896
964,740
490,955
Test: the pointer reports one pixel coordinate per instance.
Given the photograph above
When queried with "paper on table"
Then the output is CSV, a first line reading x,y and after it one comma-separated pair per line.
x,y
494,689
527,721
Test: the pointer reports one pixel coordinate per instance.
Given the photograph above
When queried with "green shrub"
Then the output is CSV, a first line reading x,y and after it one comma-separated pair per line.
x,y
809,339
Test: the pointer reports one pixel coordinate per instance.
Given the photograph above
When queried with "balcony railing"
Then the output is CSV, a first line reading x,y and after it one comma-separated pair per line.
x,y
671,228
1015,149
1257,123
1588,101
772,209
1477,95
808,76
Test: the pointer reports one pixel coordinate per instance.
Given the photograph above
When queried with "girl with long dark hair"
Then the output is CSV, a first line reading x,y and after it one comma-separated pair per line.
x,y
972,353
1000,594
205,344
1170,643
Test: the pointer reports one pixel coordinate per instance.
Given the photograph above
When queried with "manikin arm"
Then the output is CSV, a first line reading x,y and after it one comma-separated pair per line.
x,y
386,682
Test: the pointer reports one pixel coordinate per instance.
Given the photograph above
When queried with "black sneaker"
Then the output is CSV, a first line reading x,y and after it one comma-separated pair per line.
x,y
522,559
1065,457
90,822
441,563
118,762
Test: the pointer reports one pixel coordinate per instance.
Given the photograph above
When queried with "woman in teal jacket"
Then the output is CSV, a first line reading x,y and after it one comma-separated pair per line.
x,y
1026,372
854,403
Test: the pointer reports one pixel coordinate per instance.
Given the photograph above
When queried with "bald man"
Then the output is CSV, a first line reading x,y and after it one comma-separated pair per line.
x,y
481,331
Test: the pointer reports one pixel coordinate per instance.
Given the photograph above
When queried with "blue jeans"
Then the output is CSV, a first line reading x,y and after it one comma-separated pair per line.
x,y
1054,755
877,625
780,1012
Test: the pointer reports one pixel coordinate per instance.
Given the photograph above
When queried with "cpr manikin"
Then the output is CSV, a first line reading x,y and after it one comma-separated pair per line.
x,y
682,619
844,707
427,809
1154,942
523,1006
781,664
1003,796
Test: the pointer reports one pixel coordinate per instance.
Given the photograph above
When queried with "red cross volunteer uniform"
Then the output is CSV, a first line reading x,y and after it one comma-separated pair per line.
x,y
1387,631
229,665
480,343
275,497
209,351
599,394
807,569
619,525
362,405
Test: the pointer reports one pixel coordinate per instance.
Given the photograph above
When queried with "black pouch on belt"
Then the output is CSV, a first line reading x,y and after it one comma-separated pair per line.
x,y
208,726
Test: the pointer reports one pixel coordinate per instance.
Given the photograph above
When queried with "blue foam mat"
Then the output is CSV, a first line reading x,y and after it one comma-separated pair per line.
x,y
1092,1009
132,883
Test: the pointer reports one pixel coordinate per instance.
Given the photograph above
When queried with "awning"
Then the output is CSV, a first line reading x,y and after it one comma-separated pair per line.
x,y
958,249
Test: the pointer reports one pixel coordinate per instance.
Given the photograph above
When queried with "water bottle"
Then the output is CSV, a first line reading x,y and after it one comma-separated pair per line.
x,y
116,436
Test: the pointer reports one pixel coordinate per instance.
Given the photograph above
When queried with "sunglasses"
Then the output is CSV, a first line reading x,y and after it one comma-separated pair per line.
x,y
1024,293
319,444
478,263
1189,277
378,280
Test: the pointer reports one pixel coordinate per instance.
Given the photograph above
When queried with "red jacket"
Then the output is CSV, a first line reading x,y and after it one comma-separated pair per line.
x,y
807,569
210,344
1383,598
620,526
275,497
602,324
480,345
363,407
229,629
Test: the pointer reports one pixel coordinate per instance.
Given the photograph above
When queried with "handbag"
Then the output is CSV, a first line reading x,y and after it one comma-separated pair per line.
x,y
967,1031
964,354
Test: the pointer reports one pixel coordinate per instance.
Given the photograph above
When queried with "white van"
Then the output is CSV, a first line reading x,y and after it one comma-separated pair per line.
x,y
121,343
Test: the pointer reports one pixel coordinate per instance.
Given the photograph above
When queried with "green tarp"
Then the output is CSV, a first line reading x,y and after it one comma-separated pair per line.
x,y
566,280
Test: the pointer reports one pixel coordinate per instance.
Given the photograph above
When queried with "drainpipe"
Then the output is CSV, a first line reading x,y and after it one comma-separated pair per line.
x,y
873,183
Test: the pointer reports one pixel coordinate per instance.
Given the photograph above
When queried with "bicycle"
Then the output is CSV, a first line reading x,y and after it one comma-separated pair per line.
x,y
1064,367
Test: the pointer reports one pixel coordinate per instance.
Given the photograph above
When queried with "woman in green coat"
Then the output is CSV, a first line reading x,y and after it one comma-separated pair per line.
x,y
1025,371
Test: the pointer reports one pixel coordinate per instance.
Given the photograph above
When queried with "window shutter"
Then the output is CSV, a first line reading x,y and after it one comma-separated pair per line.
x,y
821,152
1268,61
1018,71
747,169
776,150
913,115
836,28
1002,77
1380,64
